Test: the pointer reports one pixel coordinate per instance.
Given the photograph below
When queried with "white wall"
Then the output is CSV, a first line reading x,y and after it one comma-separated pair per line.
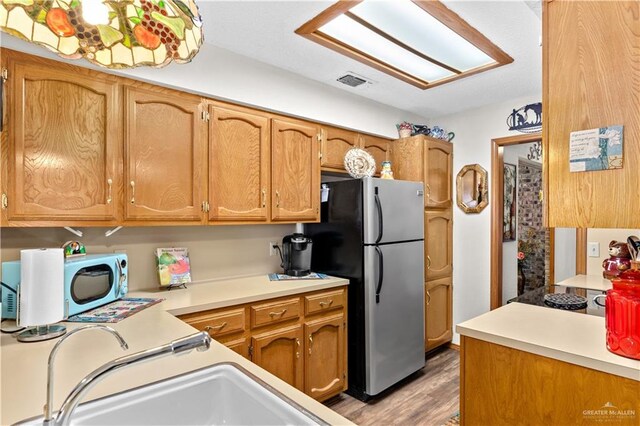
x,y
604,237
565,254
222,74
474,130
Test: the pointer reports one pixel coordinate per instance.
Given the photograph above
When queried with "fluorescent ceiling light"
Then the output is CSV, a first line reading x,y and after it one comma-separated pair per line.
x,y
418,41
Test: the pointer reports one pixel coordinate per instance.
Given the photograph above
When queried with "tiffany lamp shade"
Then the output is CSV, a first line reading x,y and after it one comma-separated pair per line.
x,y
110,33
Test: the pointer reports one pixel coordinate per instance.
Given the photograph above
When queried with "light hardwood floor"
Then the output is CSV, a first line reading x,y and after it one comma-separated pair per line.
x,y
428,397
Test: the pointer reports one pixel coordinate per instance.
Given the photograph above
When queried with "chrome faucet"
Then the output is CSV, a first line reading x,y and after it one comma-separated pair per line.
x,y
48,410
199,341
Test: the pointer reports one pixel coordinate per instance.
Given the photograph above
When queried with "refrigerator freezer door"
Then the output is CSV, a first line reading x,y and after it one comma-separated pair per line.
x,y
393,211
394,325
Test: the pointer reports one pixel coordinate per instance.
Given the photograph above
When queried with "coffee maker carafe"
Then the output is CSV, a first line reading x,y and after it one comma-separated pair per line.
x,y
296,254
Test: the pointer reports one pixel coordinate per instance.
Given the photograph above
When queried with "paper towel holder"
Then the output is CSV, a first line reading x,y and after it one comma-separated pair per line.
x,y
41,294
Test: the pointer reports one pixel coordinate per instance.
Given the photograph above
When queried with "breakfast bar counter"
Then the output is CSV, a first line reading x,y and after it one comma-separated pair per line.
x,y
23,366
525,364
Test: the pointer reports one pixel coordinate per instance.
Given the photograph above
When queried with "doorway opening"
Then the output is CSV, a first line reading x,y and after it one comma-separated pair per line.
x,y
523,251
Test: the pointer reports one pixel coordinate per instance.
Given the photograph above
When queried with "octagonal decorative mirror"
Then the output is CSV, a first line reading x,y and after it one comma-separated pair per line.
x,y
471,187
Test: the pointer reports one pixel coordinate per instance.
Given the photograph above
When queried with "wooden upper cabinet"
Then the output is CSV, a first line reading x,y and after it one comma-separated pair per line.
x,y
280,353
438,231
438,182
325,357
378,148
295,171
428,160
239,164
438,312
165,156
64,150
590,80
334,144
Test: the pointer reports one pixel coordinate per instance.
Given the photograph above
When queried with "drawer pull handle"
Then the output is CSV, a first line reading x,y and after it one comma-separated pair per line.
x,y
277,314
298,350
214,328
264,198
277,198
327,303
310,343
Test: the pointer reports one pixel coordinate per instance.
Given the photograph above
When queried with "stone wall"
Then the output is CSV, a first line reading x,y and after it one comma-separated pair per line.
x,y
533,238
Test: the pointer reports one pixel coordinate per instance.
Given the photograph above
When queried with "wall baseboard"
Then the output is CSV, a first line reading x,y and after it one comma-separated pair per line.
x,y
454,347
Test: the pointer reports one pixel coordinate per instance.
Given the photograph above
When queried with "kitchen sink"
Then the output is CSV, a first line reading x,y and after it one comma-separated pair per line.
x,y
223,393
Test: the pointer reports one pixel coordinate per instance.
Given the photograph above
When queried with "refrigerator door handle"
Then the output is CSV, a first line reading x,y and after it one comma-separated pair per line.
x,y
380,273
380,219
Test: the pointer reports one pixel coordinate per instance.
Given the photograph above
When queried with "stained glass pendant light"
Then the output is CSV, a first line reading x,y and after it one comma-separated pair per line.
x,y
110,33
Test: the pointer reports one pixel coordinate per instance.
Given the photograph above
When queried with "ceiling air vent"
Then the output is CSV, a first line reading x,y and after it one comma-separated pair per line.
x,y
351,80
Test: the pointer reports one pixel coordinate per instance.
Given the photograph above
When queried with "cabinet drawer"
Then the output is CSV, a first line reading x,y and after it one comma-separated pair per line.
x,y
323,301
220,323
272,313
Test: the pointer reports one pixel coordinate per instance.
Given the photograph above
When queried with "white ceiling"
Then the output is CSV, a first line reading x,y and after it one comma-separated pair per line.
x,y
264,30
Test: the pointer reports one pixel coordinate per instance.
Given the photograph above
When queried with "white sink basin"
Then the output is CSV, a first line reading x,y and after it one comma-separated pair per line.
x,y
221,394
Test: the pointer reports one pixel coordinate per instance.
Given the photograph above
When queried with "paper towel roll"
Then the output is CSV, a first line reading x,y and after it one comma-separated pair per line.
x,y
41,287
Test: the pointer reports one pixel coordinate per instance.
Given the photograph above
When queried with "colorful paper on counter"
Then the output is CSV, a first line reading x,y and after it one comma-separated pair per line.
x,y
174,267
596,149
311,276
115,311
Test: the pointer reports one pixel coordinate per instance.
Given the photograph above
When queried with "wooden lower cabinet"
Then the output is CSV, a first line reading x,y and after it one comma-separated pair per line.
x,y
301,339
280,353
438,313
324,356
239,346
505,386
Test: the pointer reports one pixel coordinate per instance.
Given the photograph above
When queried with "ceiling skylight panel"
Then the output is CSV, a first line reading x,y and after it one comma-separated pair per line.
x,y
350,32
409,23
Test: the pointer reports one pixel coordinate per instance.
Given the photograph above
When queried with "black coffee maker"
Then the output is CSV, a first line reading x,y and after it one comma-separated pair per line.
x,y
296,254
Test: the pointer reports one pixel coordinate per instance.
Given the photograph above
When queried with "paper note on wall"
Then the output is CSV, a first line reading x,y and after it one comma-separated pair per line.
x,y
596,149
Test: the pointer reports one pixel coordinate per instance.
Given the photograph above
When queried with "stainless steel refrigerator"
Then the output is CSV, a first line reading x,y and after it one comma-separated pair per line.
x,y
372,232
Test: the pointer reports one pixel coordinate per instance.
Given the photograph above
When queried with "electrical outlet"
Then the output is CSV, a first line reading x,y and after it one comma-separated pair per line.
x,y
593,249
272,248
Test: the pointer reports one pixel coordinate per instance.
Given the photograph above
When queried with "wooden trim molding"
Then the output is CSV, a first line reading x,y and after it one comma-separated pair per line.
x,y
311,31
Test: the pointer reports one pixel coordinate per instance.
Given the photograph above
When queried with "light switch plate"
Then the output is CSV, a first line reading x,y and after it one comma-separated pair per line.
x,y
593,249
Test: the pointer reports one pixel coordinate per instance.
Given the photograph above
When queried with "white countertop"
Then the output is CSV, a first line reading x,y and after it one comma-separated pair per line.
x,y
566,336
590,282
23,366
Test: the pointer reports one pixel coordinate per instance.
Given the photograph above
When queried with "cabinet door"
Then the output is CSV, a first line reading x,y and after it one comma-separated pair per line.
x,y
238,164
438,312
378,148
64,144
438,174
280,353
325,358
438,231
295,173
334,145
239,346
165,156
591,68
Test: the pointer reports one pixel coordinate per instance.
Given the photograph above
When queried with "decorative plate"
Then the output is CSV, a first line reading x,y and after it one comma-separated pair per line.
x,y
359,163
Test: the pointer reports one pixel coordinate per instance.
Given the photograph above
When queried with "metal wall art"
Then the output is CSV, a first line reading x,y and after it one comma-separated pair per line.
x,y
527,119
